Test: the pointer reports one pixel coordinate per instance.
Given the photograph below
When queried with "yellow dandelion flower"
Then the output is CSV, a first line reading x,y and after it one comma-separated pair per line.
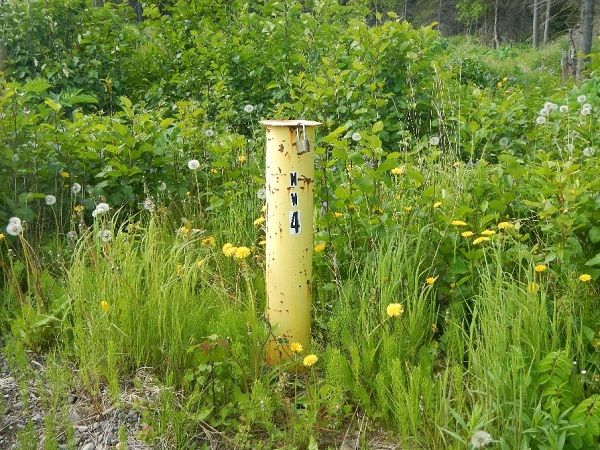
x,y
532,288
540,268
585,277
200,263
458,223
296,347
263,242
394,309
1,236
434,328
180,270
430,280
467,234
208,241
184,230
320,247
78,208
264,209
397,171
228,249
457,164
337,214
242,159
310,360
259,221
214,171
481,239
488,232
505,225
379,211
64,174
408,208
437,204
241,252
104,306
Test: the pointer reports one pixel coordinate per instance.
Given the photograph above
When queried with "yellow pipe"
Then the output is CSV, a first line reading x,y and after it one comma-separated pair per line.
x,y
289,228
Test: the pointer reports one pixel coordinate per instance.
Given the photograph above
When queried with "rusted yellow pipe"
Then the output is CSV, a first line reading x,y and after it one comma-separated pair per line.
x,y
289,228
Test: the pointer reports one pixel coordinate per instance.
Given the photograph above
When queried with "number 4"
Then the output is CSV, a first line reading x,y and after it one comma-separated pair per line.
x,y
294,222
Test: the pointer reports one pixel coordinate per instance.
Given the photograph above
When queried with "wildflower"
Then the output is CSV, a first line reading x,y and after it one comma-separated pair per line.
x,y
262,243
356,136
50,200
394,310
587,106
541,120
481,239
209,133
14,228
102,208
214,171
249,108
563,109
533,287
78,208
193,164
14,220
200,263
208,241
504,142
505,225
585,277
544,112
581,99
437,204
456,164
540,268
242,159
458,223
64,174
180,269
162,186
229,249
71,235
467,234
296,347
481,439
104,306
550,106
310,360
76,188
184,230
105,235
148,204
397,171
408,208
337,214
586,111
434,328
320,247
430,280
1,236
488,232
242,252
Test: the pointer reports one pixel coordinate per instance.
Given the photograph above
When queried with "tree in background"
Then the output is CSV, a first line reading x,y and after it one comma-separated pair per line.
x,y
587,33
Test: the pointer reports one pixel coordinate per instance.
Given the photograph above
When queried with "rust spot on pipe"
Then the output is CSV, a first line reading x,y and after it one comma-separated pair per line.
x,y
281,148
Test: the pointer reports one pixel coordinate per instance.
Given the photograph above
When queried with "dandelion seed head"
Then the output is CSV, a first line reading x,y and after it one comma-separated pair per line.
x,y
563,109
586,111
76,188
209,132
581,99
481,439
570,147
434,140
14,228
261,194
544,112
356,136
588,151
586,106
550,106
193,164
50,199
148,204
249,108
541,120
14,220
162,186
504,142
71,235
105,235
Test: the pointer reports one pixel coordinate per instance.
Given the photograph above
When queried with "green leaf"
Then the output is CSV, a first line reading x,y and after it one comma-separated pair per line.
x,y
53,104
377,127
595,261
594,234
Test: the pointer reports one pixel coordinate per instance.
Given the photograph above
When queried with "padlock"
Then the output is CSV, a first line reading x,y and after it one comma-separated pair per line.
x,y
302,144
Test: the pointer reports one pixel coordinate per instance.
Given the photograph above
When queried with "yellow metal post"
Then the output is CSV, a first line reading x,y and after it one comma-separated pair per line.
x,y
289,226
